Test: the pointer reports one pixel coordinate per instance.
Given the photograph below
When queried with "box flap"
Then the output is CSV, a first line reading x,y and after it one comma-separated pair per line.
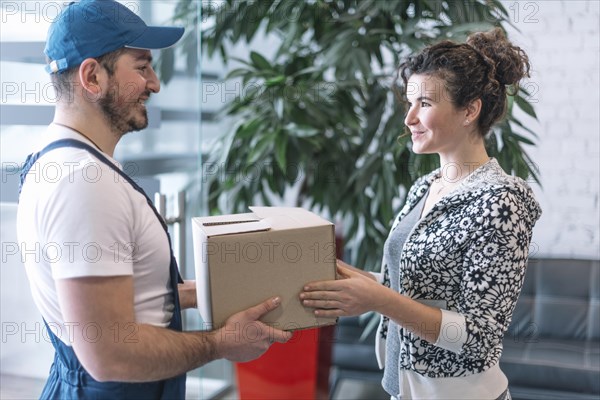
x,y
231,224
298,217
228,219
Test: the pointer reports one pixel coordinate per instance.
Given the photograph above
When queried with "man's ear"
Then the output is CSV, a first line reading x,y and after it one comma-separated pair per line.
x,y
472,111
91,77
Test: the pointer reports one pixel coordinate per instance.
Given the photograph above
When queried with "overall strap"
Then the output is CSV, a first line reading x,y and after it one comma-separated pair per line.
x,y
32,158
79,383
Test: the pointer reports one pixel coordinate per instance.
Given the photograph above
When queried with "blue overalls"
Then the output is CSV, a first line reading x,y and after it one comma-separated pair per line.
x,y
68,379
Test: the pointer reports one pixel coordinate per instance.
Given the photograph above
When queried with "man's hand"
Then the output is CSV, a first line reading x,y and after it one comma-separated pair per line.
x,y
244,337
187,294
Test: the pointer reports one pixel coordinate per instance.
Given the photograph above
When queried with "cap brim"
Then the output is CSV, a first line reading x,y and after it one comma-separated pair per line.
x,y
157,37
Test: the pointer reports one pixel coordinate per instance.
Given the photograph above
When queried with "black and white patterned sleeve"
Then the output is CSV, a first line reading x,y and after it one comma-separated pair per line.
x,y
493,269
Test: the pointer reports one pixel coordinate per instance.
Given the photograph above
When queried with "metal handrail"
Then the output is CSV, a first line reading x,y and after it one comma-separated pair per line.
x,y
178,223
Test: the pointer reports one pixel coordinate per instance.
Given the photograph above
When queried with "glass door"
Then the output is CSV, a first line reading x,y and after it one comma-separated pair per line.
x,y
166,158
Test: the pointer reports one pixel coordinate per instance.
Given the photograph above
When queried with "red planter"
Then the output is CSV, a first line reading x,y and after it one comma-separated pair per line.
x,y
298,369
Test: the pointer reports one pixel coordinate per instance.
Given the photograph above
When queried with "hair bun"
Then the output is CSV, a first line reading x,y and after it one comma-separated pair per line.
x,y
510,61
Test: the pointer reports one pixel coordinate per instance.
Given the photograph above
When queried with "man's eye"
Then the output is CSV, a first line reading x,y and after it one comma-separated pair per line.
x,y
425,104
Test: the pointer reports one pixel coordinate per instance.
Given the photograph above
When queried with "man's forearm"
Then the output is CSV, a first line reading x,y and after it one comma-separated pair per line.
x,y
118,348
142,353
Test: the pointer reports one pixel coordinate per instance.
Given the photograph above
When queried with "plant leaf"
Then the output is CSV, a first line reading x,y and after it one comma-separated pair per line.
x,y
280,150
260,62
525,106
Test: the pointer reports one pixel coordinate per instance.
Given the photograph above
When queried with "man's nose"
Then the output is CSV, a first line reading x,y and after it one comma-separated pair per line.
x,y
153,83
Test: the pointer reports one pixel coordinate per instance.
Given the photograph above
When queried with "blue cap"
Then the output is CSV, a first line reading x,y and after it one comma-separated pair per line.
x,y
92,28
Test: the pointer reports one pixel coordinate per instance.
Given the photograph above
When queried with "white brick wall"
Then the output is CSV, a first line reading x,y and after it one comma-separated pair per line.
x,y
562,39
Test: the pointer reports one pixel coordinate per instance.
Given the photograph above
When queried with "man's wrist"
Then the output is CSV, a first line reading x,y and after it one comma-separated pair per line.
x,y
212,344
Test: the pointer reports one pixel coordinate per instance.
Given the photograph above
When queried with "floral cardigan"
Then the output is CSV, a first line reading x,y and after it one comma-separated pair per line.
x,y
470,250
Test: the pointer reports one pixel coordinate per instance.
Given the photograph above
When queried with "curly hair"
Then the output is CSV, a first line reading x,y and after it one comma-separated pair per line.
x,y
486,67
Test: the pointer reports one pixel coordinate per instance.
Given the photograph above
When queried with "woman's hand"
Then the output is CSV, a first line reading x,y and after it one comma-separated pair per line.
x,y
353,293
369,275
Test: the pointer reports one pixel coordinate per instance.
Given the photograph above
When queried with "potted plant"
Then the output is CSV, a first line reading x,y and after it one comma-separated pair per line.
x,y
320,117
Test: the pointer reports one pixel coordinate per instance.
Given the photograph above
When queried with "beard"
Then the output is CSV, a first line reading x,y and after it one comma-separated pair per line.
x,y
124,115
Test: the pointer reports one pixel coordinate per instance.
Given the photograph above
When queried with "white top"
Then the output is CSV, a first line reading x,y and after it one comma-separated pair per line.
x,y
79,218
485,385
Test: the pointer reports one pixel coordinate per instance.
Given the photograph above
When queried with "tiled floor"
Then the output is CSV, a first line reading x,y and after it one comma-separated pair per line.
x,y
351,389
19,388
347,390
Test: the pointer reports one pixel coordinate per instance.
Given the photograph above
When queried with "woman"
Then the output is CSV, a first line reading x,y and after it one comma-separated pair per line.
x,y
455,259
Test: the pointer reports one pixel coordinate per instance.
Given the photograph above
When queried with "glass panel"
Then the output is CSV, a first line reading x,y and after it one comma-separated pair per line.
x,y
169,150
26,349
27,21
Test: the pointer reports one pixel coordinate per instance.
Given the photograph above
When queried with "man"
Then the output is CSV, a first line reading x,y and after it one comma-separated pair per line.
x,y
103,274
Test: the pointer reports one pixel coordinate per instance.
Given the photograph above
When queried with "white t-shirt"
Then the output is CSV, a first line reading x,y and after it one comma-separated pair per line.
x,y
78,218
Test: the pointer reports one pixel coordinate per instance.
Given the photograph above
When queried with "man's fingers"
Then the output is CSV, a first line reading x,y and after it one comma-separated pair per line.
x,y
280,336
254,313
268,333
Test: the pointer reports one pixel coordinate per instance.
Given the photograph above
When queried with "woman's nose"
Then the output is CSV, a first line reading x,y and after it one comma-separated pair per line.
x,y
411,117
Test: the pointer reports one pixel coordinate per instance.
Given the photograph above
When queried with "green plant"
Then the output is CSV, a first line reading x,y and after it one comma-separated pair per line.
x,y
321,114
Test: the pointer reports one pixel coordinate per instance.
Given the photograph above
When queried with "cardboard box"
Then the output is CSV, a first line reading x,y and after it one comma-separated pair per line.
x,y
244,259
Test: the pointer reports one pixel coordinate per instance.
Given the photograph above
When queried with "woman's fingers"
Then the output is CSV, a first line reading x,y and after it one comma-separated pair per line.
x,y
329,313
325,304
325,308
343,272
318,294
322,286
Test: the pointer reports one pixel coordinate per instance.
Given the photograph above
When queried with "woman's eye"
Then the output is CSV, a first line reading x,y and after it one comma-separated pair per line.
x,y
425,104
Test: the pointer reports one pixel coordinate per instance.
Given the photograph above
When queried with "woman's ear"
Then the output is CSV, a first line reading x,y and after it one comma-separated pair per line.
x,y
91,76
472,111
